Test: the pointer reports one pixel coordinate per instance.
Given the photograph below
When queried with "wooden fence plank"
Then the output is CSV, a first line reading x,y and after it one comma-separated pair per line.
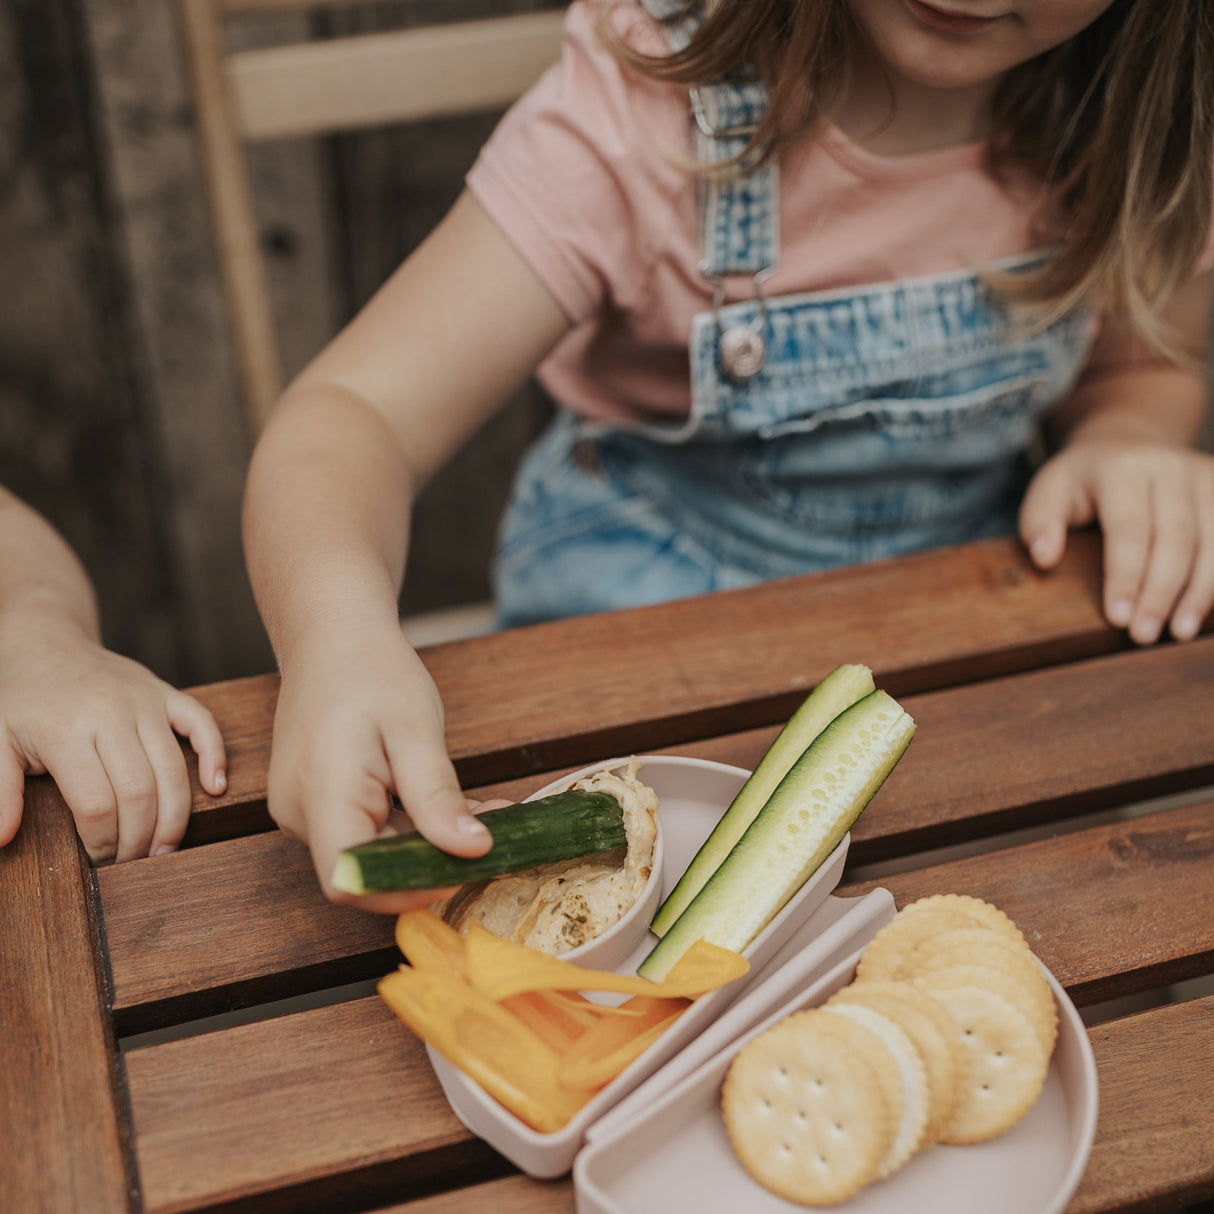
x,y
65,1145
1111,909
993,755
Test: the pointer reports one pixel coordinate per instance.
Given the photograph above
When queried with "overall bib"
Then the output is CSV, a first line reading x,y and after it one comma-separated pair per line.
x,y
862,423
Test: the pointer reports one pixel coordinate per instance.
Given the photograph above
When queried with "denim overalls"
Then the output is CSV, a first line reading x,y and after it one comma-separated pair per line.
x,y
883,419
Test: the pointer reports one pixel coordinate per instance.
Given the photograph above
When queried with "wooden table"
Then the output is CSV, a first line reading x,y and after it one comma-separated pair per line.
x,y
117,1093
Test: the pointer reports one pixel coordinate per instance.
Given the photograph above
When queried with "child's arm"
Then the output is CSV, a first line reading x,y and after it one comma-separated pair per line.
x,y
1127,460
100,724
459,326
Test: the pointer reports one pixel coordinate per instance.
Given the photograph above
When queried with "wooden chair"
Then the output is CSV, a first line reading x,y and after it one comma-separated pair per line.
x,y
323,87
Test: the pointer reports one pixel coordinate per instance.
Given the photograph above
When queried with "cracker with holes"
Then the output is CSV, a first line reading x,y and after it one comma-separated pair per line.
x,y
1007,1063
932,1031
808,1109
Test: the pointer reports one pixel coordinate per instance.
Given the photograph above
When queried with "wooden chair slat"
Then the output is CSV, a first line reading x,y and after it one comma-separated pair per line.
x,y
929,621
68,1151
994,755
398,76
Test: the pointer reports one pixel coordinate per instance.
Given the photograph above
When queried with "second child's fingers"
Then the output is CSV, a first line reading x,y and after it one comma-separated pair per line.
x,y
192,720
84,785
173,795
134,783
1170,563
12,792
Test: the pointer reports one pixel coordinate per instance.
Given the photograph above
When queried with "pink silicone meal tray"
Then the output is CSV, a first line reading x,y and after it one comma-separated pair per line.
x,y
674,1154
812,931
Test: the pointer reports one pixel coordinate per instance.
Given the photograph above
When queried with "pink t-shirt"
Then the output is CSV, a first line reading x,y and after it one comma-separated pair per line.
x,y
583,175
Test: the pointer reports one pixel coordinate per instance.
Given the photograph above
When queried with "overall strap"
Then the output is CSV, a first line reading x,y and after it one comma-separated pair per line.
x,y
739,213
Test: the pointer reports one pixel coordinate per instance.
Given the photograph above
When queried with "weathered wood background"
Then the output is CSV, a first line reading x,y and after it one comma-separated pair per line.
x,y
119,406
120,414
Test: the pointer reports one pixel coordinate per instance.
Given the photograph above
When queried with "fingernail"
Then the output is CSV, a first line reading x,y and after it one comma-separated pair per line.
x,y
221,781
1040,549
471,827
1145,630
1184,627
164,849
1120,612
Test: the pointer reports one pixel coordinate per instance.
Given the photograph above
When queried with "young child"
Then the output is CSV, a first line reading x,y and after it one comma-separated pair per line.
x,y
807,277
101,725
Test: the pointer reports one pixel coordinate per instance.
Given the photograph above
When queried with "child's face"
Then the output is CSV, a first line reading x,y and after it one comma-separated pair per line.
x,y
951,44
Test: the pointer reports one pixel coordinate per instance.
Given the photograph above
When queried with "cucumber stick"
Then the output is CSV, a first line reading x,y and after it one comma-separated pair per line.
x,y
803,821
562,826
838,691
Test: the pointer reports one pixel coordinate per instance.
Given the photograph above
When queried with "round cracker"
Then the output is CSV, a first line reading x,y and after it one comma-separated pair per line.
x,y
929,1026
983,913
1041,1015
1007,1063
805,1111
912,1076
883,956
991,951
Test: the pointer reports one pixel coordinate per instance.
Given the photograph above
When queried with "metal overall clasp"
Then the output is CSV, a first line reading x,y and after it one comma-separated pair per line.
x,y
741,349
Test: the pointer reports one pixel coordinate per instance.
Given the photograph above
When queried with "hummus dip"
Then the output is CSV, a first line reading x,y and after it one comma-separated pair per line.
x,y
561,906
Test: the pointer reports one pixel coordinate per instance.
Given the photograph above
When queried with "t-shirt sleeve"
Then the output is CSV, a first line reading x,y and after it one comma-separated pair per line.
x,y
581,174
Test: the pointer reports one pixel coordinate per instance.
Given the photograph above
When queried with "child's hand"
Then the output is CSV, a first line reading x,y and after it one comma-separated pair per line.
x,y
1155,504
359,718
103,727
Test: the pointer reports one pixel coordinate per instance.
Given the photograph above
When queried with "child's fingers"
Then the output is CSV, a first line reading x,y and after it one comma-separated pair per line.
x,y
173,796
134,784
1170,562
86,788
190,719
1126,513
1049,506
12,792
427,786
1198,597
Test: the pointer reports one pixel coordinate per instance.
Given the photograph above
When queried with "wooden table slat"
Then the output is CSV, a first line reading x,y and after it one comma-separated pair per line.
x,y
563,693
1149,885
1165,1050
225,925
60,1071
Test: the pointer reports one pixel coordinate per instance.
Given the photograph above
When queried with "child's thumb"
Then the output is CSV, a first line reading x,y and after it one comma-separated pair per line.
x,y
12,793
1044,515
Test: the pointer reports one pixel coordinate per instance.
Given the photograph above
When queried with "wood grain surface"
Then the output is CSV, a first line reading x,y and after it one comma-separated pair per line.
x,y
60,1094
989,756
1110,909
565,693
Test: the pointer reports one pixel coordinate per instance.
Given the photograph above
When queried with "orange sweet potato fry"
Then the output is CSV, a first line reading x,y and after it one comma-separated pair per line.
x,y
500,968
429,943
604,1051
514,1065
558,1022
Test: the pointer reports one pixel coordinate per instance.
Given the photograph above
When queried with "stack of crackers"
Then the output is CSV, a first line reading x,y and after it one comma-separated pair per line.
x,y
944,1036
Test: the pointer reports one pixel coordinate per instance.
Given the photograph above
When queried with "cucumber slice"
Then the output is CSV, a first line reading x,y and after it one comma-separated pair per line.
x,y
562,826
801,824
838,691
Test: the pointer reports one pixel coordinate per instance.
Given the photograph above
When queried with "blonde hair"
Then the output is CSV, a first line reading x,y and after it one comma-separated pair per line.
x,y
1117,122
